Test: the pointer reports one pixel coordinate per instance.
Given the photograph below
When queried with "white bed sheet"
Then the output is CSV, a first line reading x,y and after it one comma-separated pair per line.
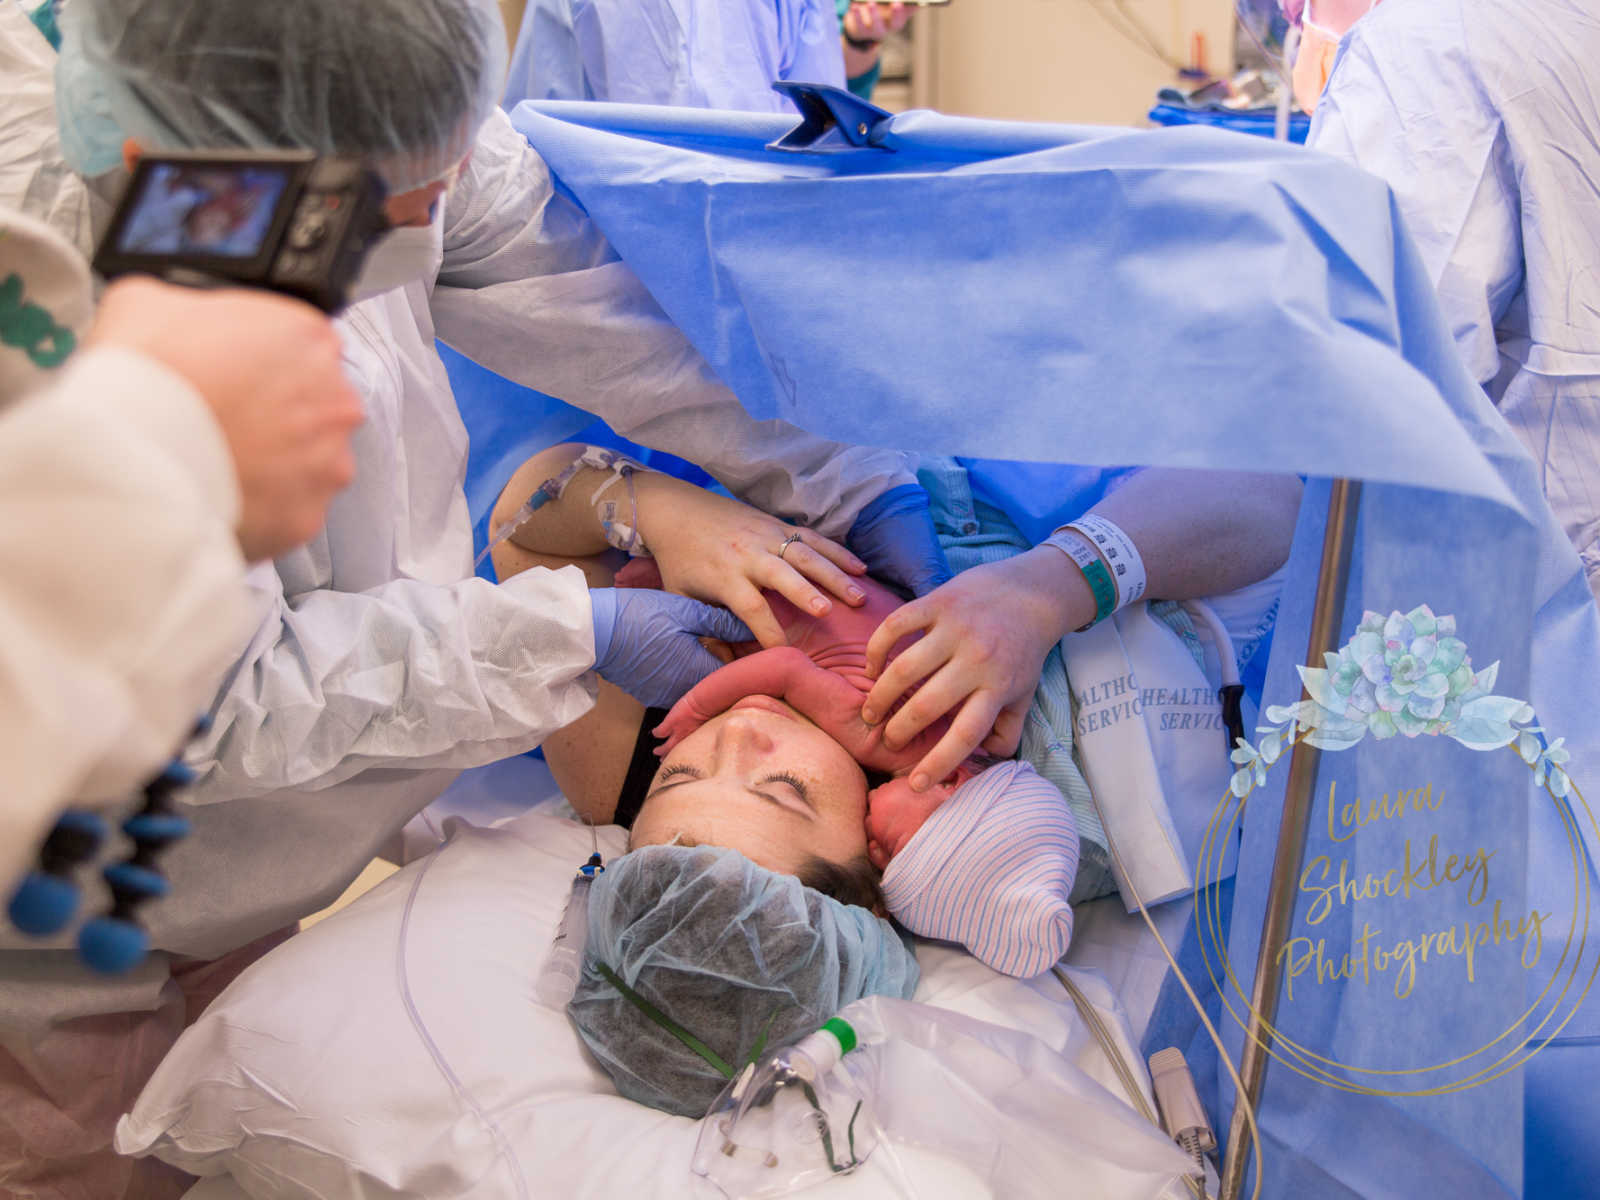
x,y
270,1052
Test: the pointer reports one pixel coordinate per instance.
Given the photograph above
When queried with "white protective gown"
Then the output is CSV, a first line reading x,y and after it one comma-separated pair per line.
x,y
121,584
1484,117
379,668
34,178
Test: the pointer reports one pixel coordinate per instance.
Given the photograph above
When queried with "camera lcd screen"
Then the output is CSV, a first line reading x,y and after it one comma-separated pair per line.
x,y
203,208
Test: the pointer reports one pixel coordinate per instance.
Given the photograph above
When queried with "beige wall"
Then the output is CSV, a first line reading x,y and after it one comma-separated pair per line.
x,y
511,10
1060,60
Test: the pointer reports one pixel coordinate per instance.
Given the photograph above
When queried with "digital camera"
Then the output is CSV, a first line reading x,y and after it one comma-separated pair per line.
x,y
288,221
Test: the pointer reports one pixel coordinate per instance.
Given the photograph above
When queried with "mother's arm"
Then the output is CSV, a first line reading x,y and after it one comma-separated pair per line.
x,y
987,631
707,546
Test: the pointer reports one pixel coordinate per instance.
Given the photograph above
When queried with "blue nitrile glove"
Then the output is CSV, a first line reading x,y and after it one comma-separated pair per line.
x,y
894,536
644,641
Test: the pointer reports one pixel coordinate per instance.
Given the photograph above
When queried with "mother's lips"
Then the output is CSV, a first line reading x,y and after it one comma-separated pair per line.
x,y
765,704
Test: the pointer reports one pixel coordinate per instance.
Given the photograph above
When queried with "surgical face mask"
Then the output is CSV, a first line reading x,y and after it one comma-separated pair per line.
x,y
91,139
1313,64
1319,46
401,256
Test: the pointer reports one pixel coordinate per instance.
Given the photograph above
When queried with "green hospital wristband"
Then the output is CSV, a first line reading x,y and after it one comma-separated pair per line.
x,y
1095,572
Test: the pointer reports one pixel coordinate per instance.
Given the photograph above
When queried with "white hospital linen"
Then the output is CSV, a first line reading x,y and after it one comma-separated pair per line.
x,y
1484,117
121,597
423,992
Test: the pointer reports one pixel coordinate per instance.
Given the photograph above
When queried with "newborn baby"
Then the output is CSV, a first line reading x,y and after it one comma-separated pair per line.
x,y
986,857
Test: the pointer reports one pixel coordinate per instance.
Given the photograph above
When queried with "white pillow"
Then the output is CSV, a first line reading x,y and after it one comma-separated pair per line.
x,y
313,1076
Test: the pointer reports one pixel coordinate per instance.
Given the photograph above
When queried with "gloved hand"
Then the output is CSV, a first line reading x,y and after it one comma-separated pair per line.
x,y
894,536
645,642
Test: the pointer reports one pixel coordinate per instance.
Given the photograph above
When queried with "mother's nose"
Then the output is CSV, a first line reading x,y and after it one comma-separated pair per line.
x,y
743,735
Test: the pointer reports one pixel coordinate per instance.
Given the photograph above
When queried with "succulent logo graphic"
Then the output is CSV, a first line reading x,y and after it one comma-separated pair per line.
x,y
1404,674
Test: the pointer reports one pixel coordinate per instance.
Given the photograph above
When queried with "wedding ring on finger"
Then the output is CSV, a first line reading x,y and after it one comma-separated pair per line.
x,y
787,542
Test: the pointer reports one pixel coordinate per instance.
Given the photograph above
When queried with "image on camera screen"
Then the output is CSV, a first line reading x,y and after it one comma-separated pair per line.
x,y
186,208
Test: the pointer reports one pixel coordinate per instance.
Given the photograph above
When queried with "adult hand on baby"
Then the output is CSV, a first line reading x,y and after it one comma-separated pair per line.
x,y
985,637
647,643
724,552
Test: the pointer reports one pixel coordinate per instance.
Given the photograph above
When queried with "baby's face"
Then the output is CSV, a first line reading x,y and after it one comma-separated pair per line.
x,y
763,780
895,812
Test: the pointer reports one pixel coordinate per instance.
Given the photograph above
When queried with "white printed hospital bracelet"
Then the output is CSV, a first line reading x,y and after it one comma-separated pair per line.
x,y
1121,555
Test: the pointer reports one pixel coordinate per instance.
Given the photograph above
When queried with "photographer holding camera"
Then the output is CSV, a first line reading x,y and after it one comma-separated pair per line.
x,y
191,432
148,450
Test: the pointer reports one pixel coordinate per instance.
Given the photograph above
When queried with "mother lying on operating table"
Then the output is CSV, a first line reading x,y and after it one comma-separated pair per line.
x,y
771,757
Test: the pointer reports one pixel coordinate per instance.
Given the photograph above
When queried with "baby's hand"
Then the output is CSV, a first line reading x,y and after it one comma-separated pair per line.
x,y
778,673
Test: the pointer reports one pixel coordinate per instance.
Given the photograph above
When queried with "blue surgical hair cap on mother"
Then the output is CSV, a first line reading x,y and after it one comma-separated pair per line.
x,y
734,954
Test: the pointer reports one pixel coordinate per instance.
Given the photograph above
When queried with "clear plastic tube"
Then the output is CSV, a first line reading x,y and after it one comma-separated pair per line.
x,y
1001,1102
558,979
518,519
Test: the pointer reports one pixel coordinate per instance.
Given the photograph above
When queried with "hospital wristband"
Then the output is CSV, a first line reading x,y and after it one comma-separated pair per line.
x,y
1121,555
1095,572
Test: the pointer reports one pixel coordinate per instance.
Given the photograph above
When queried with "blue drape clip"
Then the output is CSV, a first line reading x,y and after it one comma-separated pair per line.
x,y
832,119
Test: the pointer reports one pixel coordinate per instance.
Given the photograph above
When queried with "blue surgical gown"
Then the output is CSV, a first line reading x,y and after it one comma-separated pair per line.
x,y
1484,117
695,53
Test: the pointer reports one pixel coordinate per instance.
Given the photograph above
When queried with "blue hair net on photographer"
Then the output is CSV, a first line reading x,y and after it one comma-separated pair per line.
x,y
699,941
190,74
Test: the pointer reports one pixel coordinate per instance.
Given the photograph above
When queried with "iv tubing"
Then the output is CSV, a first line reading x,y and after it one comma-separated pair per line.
x,y
1244,1111
502,1146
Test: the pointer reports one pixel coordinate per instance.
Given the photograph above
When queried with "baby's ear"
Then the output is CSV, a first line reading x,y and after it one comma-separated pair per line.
x,y
878,857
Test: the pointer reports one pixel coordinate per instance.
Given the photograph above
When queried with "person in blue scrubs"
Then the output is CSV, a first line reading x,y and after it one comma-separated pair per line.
x,y
1484,117
695,53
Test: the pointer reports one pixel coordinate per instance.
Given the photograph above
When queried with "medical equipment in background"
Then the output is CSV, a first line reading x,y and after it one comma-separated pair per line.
x,y
1258,98
1009,1107
791,1119
1182,1114
287,221
47,899
1333,576
623,535
558,979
